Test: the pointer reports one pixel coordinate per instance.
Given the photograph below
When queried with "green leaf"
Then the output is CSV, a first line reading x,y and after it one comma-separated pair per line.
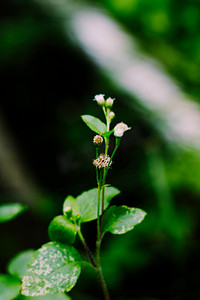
x,y
53,269
87,202
120,219
107,134
46,297
62,230
10,211
18,264
94,124
9,287
71,208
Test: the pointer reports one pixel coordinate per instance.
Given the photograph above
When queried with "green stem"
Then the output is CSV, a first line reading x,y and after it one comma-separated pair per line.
x,y
101,184
86,248
98,213
102,206
99,272
111,158
97,171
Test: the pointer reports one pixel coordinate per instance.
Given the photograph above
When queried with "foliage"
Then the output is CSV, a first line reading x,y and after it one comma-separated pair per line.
x,y
10,284
10,210
56,266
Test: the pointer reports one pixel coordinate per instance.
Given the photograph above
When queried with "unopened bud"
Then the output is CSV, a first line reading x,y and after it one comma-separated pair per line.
x,y
97,140
100,99
111,115
109,102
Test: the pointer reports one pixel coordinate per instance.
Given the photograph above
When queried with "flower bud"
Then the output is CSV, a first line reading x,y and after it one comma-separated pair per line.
x,y
100,99
111,115
109,102
120,128
97,140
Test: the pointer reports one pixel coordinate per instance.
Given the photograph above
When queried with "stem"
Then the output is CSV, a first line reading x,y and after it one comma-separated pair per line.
x,y
102,205
99,272
98,213
104,181
116,146
97,171
101,183
86,248
107,128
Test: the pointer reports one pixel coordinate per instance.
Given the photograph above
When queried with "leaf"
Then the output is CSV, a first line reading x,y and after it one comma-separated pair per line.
x,y
88,200
62,230
53,269
120,219
10,211
18,264
46,297
71,208
94,124
9,287
107,134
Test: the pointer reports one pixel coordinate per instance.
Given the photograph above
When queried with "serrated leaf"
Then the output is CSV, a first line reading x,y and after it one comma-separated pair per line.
x,y
120,219
9,287
88,200
62,230
94,124
46,297
53,269
18,264
10,210
71,208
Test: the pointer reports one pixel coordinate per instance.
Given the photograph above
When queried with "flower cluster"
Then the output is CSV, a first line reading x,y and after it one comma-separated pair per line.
x,y
102,102
102,161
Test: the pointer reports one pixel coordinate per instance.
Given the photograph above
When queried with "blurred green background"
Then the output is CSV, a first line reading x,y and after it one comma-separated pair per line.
x,y
54,57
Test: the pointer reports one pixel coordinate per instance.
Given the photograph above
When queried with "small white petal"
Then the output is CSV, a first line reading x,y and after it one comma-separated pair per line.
x,y
120,128
100,99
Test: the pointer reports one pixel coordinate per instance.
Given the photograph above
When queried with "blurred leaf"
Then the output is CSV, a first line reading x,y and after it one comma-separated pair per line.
x,y
94,124
9,287
18,264
120,219
53,269
62,230
10,211
88,202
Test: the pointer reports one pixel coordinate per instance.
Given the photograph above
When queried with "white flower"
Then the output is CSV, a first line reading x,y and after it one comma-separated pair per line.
x,y
103,161
109,102
100,99
120,128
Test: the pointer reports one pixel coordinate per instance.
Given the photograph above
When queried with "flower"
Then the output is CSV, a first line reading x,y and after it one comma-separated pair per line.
x,y
120,128
97,140
100,99
111,115
102,161
109,102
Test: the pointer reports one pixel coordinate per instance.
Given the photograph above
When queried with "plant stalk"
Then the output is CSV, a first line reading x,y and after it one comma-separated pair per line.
x,y
87,249
98,213
99,272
